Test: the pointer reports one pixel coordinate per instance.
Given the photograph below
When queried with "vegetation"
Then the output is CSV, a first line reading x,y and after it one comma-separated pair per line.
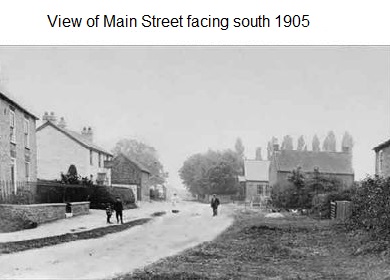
x,y
256,247
212,172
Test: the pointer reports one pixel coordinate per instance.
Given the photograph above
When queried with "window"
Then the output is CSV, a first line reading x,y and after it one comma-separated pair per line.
x,y
26,133
260,189
13,174
27,172
12,134
100,160
90,157
380,162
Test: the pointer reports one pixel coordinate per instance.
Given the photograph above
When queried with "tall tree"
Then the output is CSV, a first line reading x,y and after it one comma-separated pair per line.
x,y
144,154
329,143
287,143
258,154
347,141
301,143
316,143
239,148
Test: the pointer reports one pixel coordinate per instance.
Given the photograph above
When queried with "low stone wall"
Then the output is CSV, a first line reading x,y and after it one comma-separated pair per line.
x,y
80,208
42,213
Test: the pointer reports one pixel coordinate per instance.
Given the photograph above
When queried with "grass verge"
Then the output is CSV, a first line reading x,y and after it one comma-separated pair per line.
x,y
255,247
17,246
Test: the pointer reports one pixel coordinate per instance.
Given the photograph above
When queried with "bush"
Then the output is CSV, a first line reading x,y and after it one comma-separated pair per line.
x,y
371,207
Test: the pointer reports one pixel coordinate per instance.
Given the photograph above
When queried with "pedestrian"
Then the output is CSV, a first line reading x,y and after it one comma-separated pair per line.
x,y
108,213
215,204
118,207
175,200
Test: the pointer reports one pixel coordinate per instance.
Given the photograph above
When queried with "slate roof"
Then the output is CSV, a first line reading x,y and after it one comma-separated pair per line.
x,y
138,164
327,162
256,170
381,146
12,101
76,136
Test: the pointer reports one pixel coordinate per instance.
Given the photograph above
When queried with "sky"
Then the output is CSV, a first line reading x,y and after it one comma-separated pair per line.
x,y
186,100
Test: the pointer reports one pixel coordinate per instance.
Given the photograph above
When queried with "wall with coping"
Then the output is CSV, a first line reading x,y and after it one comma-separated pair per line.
x,y
42,213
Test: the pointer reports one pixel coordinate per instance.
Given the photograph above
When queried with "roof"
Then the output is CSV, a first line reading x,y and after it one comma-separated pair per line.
x,y
256,170
327,162
16,104
77,137
138,164
381,146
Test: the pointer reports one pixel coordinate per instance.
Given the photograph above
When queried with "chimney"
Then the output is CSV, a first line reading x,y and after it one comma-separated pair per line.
x,y
52,117
276,147
46,117
87,133
62,123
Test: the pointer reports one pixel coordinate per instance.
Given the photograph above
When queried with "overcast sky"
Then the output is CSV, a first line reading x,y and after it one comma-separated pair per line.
x,y
185,100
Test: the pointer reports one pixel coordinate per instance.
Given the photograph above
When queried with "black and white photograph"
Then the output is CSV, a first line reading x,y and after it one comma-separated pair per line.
x,y
195,162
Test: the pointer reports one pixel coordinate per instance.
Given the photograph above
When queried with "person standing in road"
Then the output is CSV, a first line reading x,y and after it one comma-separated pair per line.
x,y
118,207
108,213
215,204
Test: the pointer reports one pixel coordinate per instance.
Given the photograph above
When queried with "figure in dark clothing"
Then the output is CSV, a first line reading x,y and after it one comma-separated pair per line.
x,y
215,204
118,207
109,213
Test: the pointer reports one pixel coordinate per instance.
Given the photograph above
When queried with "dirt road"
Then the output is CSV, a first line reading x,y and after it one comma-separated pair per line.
x,y
120,252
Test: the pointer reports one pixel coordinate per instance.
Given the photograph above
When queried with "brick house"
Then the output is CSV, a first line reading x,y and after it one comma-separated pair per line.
x,y
256,180
18,148
59,147
382,159
131,174
332,164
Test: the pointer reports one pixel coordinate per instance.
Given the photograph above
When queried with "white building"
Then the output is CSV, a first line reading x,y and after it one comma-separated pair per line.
x,y
59,147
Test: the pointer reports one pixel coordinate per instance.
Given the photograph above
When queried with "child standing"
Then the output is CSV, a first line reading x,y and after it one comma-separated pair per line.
x,y
109,213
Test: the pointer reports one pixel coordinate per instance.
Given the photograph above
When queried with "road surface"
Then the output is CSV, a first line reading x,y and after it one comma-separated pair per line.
x,y
121,252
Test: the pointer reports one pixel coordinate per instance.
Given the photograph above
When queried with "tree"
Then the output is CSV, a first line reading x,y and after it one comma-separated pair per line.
x,y
316,144
287,143
347,141
258,154
144,154
301,143
329,144
239,148
211,172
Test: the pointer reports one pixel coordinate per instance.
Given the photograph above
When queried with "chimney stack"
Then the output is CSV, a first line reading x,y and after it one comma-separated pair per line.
x,y
62,123
87,133
49,117
276,147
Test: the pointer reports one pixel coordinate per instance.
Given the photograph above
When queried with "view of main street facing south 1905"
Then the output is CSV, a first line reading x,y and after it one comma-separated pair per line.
x,y
195,162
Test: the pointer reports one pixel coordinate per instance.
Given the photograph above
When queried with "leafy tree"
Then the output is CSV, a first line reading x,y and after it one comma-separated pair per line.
x,y
211,172
144,154
287,143
329,143
347,141
239,148
258,154
301,143
316,144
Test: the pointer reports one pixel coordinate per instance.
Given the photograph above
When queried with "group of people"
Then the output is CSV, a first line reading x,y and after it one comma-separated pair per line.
x,y
118,208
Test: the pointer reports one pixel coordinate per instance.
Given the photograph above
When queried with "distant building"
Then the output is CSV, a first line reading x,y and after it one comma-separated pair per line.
x,y
59,147
128,173
382,159
256,180
331,164
18,150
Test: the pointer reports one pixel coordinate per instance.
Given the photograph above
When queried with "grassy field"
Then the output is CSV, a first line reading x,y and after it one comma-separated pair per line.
x,y
255,247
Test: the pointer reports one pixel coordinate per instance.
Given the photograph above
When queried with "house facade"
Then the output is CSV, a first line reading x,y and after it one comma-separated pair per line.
x,y
18,147
59,147
382,159
256,180
331,164
131,174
